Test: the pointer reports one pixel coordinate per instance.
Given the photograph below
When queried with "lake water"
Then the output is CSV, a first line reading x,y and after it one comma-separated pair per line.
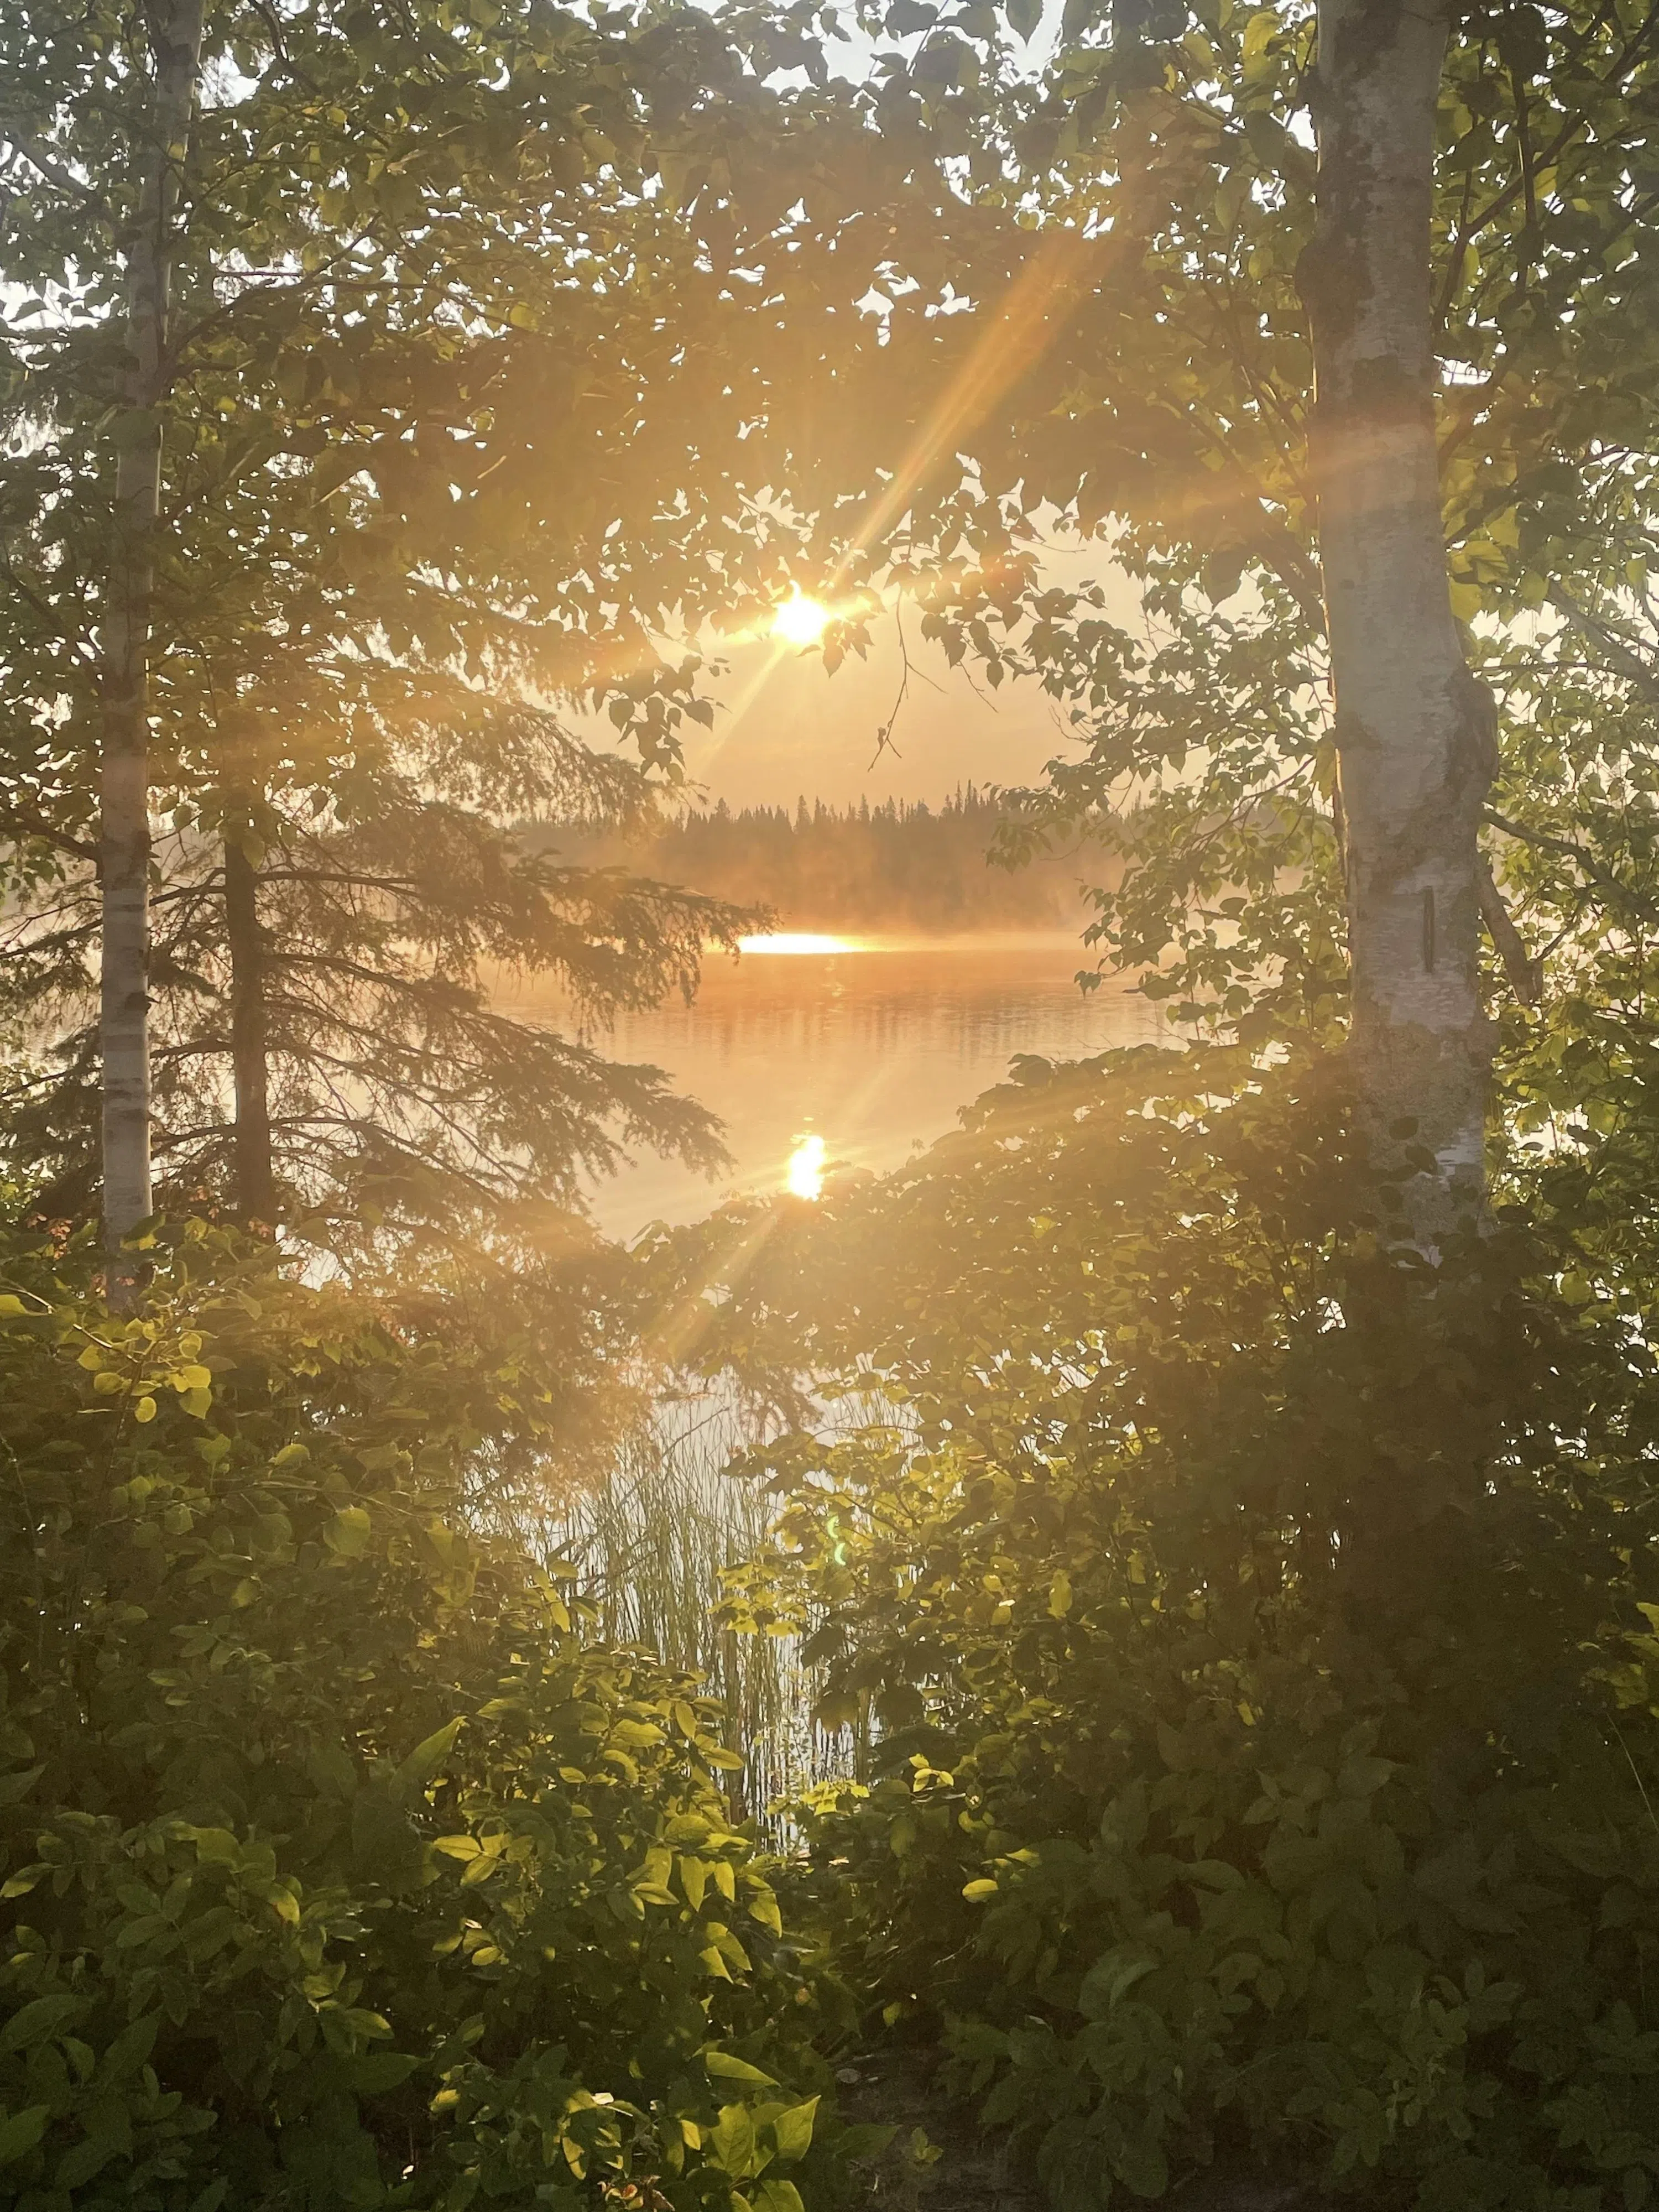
x,y
871,1046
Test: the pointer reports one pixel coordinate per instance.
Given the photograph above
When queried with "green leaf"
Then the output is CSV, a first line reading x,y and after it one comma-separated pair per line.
x,y
634,1735
731,2142
1109,1981
20,2132
217,1846
1144,2166
428,1756
792,2131
87,2158
130,2049
776,2196
725,2066
38,2021
348,1533
384,2069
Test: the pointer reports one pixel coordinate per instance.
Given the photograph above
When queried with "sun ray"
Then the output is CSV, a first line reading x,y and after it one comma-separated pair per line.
x,y
1039,304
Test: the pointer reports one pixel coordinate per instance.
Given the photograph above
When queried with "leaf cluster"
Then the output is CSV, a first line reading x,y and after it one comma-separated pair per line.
x,y
1255,1655
342,1865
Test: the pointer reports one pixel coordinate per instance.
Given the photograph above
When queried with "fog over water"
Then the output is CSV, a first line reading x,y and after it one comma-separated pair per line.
x,y
872,1048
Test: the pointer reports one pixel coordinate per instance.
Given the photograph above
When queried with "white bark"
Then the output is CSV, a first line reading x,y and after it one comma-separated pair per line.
x,y
1415,731
124,1020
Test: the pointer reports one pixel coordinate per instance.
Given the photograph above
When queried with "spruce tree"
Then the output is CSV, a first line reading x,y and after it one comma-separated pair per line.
x,y
440,433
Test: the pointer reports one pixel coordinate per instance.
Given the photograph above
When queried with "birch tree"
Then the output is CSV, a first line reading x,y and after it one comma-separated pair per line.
x,y
1332,329
1416,734
160,153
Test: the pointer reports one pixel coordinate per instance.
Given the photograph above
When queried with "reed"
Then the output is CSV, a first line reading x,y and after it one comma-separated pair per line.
x,y
650,1544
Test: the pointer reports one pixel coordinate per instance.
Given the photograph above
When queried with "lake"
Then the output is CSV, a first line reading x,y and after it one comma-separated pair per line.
x,y
868,1046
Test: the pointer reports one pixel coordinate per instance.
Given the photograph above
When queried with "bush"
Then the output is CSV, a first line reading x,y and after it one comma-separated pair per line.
x,y
1257,1651
341,1869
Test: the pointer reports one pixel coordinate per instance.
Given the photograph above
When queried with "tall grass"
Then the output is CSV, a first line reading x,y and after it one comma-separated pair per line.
x,y
650,1544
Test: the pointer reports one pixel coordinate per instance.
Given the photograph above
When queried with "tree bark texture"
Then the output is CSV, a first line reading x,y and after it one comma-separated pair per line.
x,y
175,31
256,1187
1415,731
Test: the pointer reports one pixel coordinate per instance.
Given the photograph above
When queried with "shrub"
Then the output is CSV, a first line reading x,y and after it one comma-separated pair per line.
x,y
341,1867
1258,1651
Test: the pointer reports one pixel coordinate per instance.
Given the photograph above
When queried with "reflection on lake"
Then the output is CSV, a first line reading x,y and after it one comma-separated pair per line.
x,y
870,1047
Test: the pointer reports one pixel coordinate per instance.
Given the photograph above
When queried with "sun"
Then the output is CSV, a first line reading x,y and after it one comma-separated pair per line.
x,y
799,619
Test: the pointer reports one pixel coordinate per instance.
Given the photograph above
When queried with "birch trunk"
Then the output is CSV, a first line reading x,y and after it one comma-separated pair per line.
x,y
1415,732
256,1197
125,838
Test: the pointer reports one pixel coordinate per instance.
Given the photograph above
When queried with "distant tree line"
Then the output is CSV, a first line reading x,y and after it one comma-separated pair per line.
x,y
892,866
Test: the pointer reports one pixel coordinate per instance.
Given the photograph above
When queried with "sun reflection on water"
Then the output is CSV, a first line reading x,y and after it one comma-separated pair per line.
x,y
804,1178
795,941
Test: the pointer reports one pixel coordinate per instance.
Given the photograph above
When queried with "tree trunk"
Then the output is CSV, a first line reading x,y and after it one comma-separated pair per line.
x,y
256,1187
1415,732
123,1014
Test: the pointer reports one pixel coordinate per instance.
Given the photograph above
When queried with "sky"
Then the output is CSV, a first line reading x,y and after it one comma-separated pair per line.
x,y
784,729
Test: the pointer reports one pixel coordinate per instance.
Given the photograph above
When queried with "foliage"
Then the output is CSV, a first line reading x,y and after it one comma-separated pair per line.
x,y
399,1092
1575,816
1258,1653
342,1865
1131,359
449,435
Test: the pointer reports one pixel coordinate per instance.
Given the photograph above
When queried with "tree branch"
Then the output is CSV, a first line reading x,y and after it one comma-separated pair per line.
x,y
53,171
1620,655
20,822
1526,975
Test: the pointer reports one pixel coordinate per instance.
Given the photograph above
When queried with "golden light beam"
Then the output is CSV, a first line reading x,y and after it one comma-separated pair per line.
x,y
674,1336
1033,315
1035,311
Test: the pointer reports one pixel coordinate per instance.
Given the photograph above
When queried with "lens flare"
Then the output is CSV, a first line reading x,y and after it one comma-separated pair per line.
x,y
805,1176
799,619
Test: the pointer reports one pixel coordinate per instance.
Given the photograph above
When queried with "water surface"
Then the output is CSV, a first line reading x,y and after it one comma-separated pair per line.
x,y
873,1046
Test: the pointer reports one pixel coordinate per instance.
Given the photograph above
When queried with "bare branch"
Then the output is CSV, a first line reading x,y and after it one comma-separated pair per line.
x,y
1526,975
1620,655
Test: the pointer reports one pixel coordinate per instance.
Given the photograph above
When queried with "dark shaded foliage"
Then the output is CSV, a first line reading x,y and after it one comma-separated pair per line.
x,y
1258,1650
